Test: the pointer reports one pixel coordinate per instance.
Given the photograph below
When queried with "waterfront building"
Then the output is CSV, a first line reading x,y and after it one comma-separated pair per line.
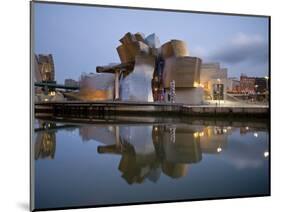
x,y
131,46
45,73
147,70
213,79
96,87
174,48
137,85
185,72
134,75
44,68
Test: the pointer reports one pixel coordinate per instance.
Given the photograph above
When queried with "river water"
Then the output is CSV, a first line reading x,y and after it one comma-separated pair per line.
x,y
120,163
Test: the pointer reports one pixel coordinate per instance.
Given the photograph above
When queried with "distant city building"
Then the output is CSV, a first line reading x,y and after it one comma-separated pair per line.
x,y
71,82
260,84
247,84
253,84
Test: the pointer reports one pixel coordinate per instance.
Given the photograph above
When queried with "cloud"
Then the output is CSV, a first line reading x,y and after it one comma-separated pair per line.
x,y
243,48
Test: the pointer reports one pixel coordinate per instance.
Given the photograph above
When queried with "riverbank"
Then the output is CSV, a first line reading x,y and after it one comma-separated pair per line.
x,y
90,109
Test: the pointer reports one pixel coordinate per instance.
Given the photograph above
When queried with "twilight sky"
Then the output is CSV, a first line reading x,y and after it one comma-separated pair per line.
x,y
81,37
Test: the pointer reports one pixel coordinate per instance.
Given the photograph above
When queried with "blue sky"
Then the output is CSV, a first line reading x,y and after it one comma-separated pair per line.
x,y
81,38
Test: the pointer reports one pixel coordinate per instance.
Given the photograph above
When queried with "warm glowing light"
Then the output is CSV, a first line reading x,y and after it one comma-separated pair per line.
x,y
156,128
52,93
195,135
247,128
229,128
201,134
218,80
196,85
209,132
219,149
88,94
225,130
256,135
266,154
46,100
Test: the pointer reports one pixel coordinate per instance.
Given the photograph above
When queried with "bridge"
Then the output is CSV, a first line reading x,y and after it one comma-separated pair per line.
x,y
54,85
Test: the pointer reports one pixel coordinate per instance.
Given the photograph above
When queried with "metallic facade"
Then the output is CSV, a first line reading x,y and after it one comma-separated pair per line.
x,y
147,70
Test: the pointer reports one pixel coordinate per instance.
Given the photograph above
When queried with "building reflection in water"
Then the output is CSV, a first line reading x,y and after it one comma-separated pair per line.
x,y
148,150
45,142
213,139
138,157
103,134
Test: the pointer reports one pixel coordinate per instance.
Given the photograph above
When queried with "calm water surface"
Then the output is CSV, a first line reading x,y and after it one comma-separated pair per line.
x,y
97,164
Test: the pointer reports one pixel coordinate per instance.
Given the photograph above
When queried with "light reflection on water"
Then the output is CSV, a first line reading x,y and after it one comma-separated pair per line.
x,y
94,164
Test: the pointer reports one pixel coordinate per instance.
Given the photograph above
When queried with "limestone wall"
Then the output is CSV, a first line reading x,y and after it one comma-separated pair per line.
x,y
189,96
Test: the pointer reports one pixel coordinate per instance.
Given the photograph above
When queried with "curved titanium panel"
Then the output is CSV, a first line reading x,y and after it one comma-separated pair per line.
x,y
184,70
137,85
174,48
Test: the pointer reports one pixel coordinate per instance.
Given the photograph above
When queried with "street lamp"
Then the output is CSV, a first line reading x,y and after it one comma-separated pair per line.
x,y
256,88
266,78
266,92
219,86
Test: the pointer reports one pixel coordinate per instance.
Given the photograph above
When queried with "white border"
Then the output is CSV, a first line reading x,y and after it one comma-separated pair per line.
x,y
14,54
